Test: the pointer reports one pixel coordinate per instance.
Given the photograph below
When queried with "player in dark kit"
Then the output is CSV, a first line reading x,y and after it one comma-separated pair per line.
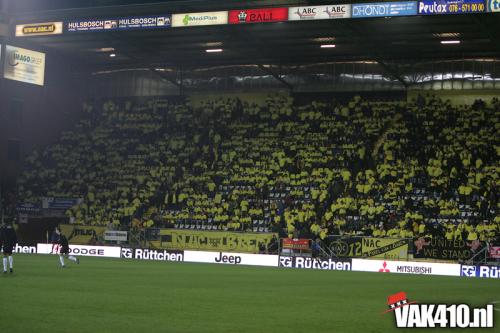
x,y
8,239
64,250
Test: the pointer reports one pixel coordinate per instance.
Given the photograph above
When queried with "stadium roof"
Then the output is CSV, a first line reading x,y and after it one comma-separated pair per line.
x,y
388,40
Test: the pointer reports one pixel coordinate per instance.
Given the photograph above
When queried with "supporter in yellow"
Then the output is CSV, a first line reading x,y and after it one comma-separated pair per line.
x,y
473,235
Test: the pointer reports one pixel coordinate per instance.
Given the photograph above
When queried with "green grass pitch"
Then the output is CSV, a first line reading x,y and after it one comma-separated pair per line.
x,y
123,295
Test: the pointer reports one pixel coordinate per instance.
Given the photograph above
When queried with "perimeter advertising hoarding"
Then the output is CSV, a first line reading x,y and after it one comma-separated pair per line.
x,y
259,15
383,9
444,7
319,12
84,250
199,19
482,271
124,23
408,267
39,29
336,264
232,258
151,254
494,6
24,65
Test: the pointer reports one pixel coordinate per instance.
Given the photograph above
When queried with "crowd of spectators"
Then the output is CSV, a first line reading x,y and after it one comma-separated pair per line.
x,y
377,168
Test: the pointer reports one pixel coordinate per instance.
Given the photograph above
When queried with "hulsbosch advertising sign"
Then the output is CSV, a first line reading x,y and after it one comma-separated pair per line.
x,y
124,23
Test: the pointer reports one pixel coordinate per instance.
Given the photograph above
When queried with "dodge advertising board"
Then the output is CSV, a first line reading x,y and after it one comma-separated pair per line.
x,y
382,9
319,12
84,250
443,7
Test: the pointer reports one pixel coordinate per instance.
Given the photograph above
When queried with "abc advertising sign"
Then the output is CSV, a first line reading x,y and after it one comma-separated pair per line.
x,y
494,6
39,29
124,23
443,7
258,15
84,250
481,271
319,12
231,258
408,267
382,9
24,65
197,19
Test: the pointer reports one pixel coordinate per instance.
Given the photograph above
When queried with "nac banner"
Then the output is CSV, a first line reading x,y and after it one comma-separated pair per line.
x,y
383,9
319,12
197,19
369,247
24,65
39,29
444,7
212,240
258,15
444,249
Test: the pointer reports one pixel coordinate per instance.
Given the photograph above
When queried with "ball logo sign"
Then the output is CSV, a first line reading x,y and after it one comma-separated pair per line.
x,y
258,15
410,314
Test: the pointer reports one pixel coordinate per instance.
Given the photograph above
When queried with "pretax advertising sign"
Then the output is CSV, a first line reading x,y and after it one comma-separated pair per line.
x,y
443,7
258,15
319,12
382,9
24,65
39,29
197,19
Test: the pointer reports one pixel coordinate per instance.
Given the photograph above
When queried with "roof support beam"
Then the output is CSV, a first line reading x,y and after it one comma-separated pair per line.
x,y
277,77
393,72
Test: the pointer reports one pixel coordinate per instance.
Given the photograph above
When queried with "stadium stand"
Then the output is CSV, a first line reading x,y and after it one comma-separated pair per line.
x,y
365,167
